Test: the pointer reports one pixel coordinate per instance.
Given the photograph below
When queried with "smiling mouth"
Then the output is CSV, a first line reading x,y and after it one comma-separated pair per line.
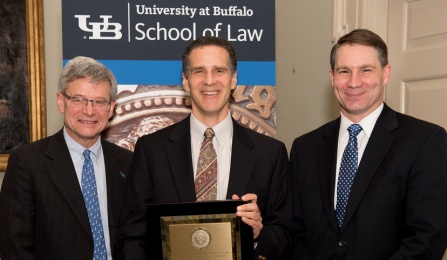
x,y
210,93
87,122
354,95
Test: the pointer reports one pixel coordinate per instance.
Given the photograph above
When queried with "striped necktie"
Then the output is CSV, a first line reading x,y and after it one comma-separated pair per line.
x,y
206,177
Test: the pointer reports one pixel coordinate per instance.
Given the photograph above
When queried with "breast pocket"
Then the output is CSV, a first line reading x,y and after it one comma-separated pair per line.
x,y
387,180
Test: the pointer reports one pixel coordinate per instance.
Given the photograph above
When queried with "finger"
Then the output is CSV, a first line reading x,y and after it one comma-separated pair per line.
x,y
254,215
248,207
255,224
250,196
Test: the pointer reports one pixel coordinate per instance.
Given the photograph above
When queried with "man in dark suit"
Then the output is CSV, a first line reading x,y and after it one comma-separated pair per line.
x,y
396,202
250,166
43,214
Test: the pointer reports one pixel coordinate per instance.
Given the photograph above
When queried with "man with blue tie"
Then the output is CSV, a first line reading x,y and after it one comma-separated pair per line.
x,y
371,184
61,195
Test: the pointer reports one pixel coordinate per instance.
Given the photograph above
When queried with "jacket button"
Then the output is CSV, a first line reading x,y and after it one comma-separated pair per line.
x,y
342,243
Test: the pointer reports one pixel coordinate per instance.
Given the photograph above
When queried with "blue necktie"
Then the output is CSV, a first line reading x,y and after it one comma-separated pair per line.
x,y
348,169
90,194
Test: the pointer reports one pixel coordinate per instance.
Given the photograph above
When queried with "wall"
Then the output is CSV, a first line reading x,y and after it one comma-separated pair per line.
x,y
53,60
305,98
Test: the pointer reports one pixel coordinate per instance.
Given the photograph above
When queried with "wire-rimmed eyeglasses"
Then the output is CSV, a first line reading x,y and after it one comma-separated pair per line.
x,y
80,102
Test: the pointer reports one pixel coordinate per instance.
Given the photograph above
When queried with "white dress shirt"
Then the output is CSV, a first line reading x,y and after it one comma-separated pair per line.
x,y
97,158
222,142
367,125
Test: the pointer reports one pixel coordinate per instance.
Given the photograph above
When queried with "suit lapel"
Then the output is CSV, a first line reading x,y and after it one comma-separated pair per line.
x,y
327,155
378,145
242,161
113,175
180,160
61,170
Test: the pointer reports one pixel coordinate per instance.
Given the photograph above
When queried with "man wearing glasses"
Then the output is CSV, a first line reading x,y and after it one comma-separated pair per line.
x,y
61,195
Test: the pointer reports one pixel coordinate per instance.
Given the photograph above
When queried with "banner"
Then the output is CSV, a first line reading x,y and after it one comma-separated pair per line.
x,y
142,42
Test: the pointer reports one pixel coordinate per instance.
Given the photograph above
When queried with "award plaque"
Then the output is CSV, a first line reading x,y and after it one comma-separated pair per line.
x,y
198,230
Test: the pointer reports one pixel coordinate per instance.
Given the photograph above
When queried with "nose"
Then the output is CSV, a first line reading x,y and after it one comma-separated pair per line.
x,y
354,81
89,109
209,79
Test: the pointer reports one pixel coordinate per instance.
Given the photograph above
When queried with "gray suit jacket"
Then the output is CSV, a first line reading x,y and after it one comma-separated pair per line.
x,y
42,211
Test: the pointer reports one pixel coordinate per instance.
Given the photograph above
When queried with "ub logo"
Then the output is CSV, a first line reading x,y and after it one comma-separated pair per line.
x,y
104,30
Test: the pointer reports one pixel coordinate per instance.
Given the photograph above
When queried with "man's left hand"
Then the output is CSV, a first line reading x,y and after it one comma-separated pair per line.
x,y
250,213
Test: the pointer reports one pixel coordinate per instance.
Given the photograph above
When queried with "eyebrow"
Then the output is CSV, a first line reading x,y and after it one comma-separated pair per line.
x,y
85,97
213,67
360,67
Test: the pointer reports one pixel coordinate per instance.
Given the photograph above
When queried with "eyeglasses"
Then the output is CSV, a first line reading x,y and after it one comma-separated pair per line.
x,y
80,102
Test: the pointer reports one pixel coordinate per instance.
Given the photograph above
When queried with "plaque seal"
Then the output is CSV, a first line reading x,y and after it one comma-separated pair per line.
x,y
200,238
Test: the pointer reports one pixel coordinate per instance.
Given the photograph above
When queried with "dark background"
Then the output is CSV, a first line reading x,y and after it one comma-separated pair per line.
x,y
77,42
14,115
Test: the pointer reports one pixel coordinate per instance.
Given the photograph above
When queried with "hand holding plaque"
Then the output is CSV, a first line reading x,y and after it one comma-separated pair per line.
x,y
198,230
250,213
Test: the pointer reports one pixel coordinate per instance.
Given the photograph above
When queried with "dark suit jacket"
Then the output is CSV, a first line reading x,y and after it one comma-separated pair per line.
x,y
397,207
162,172
42,211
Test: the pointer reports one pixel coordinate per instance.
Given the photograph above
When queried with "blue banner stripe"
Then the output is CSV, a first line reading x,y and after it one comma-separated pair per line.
x,y
146,72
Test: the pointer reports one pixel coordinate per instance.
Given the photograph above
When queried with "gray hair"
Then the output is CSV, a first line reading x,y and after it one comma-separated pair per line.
x,y
84,67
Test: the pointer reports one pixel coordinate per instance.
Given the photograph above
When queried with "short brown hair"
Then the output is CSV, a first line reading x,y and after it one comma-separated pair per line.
x,y
207,41
363,37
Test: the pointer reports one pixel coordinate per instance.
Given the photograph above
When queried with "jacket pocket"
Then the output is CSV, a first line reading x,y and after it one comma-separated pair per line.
x,y
387,180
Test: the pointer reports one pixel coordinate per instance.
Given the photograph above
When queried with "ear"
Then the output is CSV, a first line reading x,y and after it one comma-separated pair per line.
x,y
331,75
234,80
60,102
112,108
386,74
185,83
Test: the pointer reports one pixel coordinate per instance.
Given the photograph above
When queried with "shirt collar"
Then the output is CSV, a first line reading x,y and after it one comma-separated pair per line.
x,y
367,123
76,150
223,131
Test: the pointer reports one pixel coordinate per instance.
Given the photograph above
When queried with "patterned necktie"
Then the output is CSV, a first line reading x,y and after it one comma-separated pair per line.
x,y
206,178
90,194
348,169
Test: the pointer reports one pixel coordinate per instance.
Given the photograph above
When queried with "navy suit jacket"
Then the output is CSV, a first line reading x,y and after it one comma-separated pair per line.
x,y
162,172
42,211
397,207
